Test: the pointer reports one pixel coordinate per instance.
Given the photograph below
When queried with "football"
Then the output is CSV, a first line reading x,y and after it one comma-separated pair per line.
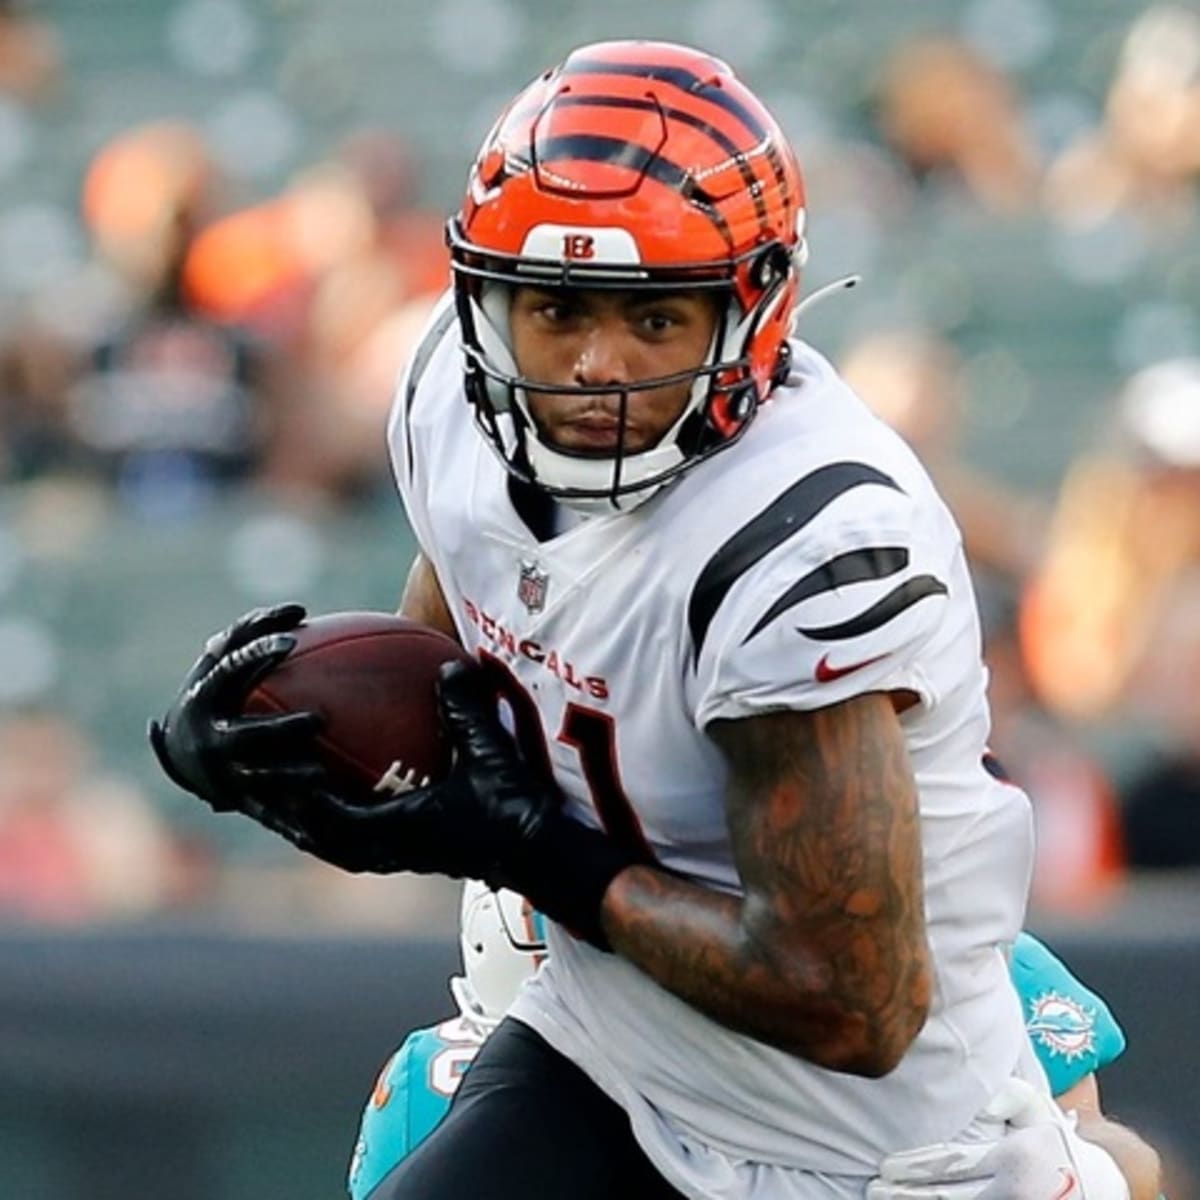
x,y
371,676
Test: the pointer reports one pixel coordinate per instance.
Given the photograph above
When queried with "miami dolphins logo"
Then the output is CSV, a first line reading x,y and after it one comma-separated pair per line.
x,y
1062,1025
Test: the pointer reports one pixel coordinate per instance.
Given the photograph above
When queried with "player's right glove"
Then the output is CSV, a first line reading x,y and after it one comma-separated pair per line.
x,y
202,742
231,761
1042,1158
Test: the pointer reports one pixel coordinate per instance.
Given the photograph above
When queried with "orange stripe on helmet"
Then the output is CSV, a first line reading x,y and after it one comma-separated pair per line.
x,y
630,165
696,94
715,99
689,86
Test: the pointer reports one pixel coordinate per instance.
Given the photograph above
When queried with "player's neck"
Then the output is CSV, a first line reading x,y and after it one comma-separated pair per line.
x,y
544,517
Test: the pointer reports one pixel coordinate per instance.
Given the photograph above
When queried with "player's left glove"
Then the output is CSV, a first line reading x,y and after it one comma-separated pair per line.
x,y
496,820
1042,1158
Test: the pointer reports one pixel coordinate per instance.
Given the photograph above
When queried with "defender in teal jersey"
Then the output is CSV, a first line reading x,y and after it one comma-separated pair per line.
x,y
1072,1029
502,941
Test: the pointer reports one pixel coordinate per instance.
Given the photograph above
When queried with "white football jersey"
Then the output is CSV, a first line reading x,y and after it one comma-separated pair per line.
x,y
810,562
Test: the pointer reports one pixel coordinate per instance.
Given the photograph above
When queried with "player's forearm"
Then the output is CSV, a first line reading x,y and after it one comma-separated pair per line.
x,y
1137,1160
721,955
824,954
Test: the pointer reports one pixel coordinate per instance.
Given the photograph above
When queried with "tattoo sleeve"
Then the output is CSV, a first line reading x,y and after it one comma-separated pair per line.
x,y
825,953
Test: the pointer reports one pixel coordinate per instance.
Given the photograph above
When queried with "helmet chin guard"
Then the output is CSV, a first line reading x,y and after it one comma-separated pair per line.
x,y
641,167
721,391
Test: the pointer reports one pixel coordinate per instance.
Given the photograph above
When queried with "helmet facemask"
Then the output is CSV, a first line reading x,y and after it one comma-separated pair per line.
x,y
723,395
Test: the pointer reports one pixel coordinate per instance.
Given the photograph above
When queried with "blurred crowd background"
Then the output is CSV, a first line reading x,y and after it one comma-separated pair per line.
x,y
220,229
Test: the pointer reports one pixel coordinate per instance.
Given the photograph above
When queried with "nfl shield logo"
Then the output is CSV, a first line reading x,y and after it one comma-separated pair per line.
x,y
531,587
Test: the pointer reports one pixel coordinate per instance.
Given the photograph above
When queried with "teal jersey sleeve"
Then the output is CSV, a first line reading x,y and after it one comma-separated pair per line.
x,y
1071,1028
411,1096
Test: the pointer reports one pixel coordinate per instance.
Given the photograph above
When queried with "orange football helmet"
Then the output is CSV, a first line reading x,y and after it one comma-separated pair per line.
x,y
632,166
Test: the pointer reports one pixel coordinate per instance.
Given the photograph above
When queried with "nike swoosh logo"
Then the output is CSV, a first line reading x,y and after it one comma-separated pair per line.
x,y
827,674
1068,1187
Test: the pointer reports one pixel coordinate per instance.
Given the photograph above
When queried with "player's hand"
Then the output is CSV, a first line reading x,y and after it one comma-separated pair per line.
x,y
464,826
1041,1158
492,819
204,743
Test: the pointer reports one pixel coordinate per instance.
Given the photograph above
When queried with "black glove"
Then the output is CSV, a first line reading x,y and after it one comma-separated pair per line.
x,y
492,819
234,762
521,839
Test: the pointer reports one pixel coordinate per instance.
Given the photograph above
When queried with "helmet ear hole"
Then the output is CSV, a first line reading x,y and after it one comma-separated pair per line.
x,y
770,266
731,409
783,368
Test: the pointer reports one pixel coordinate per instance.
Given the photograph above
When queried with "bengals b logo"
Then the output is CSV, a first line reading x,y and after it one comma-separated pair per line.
x,y
578,245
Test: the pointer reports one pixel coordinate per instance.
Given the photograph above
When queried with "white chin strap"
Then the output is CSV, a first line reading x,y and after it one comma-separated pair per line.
x,y
598,476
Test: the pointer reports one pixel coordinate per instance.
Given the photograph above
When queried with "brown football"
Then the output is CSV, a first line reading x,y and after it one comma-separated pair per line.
x,y
371,676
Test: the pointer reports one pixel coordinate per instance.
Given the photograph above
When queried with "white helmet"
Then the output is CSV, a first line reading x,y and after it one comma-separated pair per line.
x,y
503,940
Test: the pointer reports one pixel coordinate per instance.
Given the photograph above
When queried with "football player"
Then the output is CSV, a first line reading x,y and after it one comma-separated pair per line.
x,y
502,943
739,763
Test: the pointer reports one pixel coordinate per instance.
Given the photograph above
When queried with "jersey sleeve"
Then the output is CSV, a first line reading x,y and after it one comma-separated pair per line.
x,y
402,1111
800,620
1072,1030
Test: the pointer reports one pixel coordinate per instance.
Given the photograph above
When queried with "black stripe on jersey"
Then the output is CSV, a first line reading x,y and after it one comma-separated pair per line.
x,y
685,81
880,613
780,520
588,147
420,361
723,141
855,566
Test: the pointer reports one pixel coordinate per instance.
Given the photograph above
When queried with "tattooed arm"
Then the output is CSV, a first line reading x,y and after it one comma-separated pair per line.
x,y
825,953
